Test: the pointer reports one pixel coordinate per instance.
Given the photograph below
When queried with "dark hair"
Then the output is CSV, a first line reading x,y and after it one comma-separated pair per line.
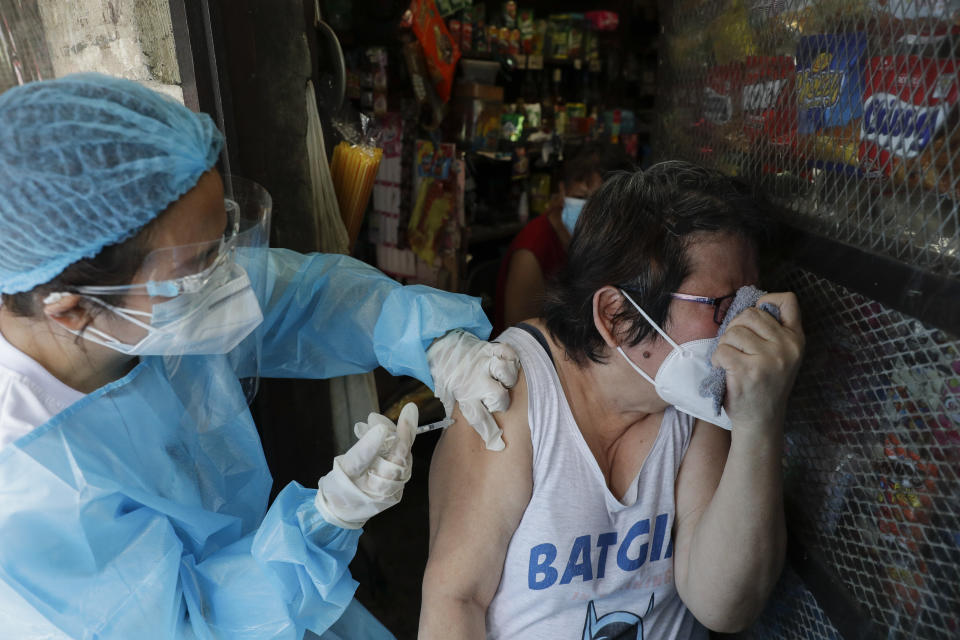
x,y
634,233
115,264
594,157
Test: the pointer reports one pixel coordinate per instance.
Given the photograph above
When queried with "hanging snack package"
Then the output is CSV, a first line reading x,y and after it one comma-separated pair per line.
x,y
722,117
527,29
559,36
439,48
768,112
730,34
509,14
503,40
532,117
918,23
829,89
539,38
456,31
603,20
478,16
466,32
904,131
511,125
515,48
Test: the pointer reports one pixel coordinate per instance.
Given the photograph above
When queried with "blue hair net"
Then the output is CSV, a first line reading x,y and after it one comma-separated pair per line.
x,y
86,161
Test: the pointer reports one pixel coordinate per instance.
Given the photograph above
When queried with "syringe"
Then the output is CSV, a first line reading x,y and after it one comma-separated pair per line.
x,y
433,426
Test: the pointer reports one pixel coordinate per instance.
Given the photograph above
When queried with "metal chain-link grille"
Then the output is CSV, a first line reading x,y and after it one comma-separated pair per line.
x,y
843,112
793,614
871,465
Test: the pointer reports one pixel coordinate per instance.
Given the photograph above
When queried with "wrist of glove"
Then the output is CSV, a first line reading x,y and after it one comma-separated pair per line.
x,y
370,476
476,374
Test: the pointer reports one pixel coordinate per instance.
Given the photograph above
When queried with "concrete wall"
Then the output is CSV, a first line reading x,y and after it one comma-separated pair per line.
x,y
128,38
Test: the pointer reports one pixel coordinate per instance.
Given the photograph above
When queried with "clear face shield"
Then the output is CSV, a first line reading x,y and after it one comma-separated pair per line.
x,y
199,299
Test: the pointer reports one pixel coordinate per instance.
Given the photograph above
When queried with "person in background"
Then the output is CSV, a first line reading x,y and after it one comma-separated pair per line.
x,y
139,299
540,249
620,507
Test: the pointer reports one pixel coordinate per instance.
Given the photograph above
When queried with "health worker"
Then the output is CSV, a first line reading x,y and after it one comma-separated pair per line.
x,y
140,304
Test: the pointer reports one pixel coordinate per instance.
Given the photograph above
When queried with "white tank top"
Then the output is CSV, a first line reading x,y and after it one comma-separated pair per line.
x,y
582,564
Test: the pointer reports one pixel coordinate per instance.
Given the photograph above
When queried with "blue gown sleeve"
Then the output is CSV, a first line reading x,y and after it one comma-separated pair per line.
x,y
331,315
289,576
122,570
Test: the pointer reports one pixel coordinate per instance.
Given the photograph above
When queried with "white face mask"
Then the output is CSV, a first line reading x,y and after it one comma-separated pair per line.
x,y
678,378
213,320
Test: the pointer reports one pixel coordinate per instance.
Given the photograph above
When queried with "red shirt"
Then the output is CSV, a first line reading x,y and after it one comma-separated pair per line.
x,y
540,238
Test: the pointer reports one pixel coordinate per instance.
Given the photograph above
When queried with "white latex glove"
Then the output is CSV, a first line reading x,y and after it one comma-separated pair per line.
x,y
369,477
476,374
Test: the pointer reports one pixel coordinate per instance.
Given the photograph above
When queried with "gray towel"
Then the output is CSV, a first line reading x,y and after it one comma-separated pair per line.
x,y
715,384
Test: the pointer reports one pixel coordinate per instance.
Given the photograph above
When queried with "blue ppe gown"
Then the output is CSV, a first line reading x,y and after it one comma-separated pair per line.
x,y
141,510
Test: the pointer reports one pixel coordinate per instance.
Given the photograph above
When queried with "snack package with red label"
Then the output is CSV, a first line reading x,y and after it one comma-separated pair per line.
x,y
439,47
603,20
466,33
829,90
768,111
722,110
917,23
904,132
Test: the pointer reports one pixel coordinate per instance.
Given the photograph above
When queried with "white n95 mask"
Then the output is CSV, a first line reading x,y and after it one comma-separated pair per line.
x,y
679,376
211,320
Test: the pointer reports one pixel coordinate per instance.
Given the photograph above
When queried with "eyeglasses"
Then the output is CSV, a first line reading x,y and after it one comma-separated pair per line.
x,y
185,268
720,305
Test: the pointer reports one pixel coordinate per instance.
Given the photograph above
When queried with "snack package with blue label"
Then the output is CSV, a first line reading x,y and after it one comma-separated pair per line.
x,y
829,88
904,133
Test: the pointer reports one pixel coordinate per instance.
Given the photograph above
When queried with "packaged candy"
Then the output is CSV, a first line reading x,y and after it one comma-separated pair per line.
x,y
603,20
511,125
446,7
592,51
904,133
829,89
575,46
540,38
514,48
559,35
731,36
503,39
527,30
768,111
722,113
456,31
918,22
533,115
493,38
510,14
478,16
466,33
439,47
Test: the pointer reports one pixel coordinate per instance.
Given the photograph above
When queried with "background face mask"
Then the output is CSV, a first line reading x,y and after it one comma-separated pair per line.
x,y
571,212
678,378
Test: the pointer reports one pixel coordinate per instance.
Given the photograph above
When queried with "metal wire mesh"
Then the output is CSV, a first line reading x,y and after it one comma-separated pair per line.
x,y
872,466
843,112
793,614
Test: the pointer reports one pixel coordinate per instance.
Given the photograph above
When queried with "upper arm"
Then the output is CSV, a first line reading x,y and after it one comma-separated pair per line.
x,y
477,498
524,289
697,481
